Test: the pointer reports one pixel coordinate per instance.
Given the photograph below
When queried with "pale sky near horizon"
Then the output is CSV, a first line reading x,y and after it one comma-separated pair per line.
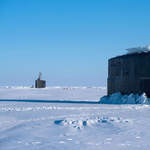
x,y
69,41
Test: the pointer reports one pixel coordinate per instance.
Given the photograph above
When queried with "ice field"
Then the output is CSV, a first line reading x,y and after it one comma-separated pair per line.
x,y
58,126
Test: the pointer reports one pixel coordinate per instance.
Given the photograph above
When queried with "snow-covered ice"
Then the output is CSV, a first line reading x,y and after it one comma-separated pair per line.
x,y
53,93
33,125
118,98
138,49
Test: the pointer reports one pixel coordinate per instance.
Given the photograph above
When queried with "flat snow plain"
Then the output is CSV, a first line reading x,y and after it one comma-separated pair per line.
x,y
59,126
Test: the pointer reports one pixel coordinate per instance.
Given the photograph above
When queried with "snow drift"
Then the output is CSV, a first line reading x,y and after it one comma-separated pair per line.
x,y
118,98
138,49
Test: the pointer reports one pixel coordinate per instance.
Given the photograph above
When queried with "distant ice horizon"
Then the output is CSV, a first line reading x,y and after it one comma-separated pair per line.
x,y
8,86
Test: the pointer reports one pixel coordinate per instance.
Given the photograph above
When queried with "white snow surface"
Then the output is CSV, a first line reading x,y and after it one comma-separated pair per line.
x,y
53,93
118,98
138,49
59,126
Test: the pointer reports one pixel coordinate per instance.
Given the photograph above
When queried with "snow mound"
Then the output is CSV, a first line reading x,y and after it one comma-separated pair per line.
x,y
81,123
118,98
138,49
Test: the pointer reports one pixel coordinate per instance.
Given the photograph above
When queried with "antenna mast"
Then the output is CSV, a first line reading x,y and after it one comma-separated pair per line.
x,y
40,74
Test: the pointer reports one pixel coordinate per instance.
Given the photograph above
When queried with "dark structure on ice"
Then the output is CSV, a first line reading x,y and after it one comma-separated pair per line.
x,y
130,73
40,83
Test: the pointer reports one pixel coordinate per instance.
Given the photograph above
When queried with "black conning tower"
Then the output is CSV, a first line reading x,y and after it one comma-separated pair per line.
x,y
129,73
40,83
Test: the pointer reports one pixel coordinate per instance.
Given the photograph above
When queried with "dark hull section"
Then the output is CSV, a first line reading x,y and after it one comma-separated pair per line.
x,y
129,74
40,84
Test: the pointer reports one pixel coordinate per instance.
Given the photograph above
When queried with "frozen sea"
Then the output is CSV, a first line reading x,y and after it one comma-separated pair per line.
x,y
34,122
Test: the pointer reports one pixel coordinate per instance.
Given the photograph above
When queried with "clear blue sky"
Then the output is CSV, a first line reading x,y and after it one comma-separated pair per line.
x,y
69,41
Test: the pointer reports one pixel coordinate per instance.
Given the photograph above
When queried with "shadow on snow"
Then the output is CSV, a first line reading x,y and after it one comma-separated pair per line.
x,y
50,101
